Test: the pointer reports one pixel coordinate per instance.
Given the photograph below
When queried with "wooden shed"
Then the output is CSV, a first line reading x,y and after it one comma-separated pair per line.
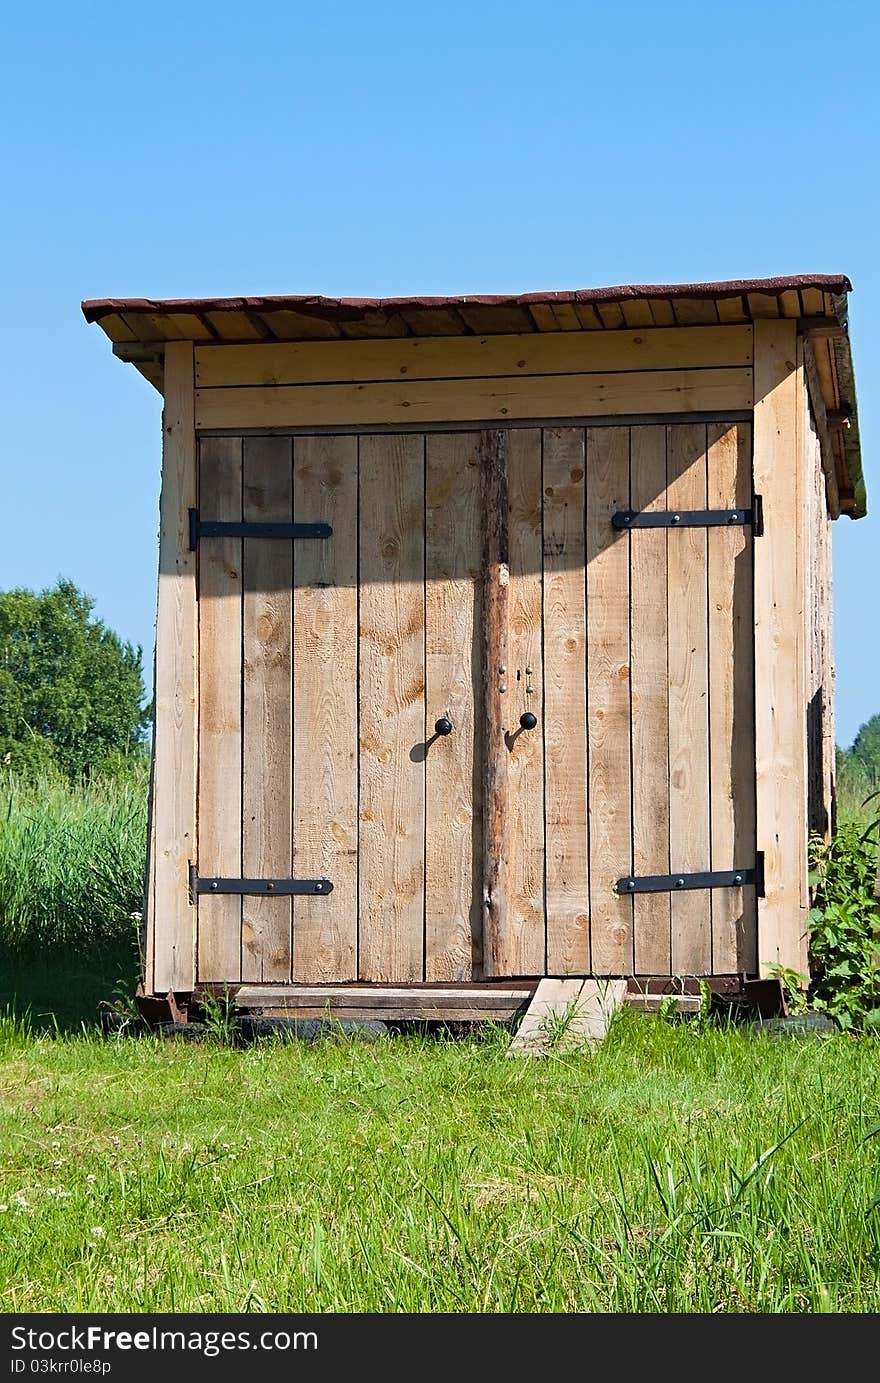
x,y
494,638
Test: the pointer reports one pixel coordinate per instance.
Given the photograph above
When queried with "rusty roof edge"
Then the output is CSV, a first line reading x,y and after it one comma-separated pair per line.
x,y
95,308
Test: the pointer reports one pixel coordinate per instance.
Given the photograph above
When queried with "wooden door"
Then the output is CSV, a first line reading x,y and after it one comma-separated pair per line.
x,y
633,646
325,663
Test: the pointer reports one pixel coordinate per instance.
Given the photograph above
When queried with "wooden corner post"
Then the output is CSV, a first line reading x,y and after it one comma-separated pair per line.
x,y
170,951
494,659
780,643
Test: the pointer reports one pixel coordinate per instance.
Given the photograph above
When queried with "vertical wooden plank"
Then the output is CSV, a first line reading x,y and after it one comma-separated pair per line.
x,y
220,670
731,699
494,665
525,768
453,837
780,713
325,708
829,740
805,529
688,699
267,768
608,701
392,707
565,694
145,931
652,919
171,923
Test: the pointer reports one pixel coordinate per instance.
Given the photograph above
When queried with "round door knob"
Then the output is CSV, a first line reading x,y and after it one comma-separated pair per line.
x,y
528,721
443,726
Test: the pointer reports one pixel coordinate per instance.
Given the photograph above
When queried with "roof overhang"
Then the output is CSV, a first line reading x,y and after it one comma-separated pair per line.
x,y
140,327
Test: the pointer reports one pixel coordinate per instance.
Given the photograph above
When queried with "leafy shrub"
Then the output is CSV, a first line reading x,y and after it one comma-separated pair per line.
x,y
845,927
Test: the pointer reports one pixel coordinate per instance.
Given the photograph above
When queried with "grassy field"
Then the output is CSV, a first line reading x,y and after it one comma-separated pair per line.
x,y
71,865
681,1167
675,1169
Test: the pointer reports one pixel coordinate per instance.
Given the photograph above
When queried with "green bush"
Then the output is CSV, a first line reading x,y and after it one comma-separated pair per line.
x,y
71,862
845,927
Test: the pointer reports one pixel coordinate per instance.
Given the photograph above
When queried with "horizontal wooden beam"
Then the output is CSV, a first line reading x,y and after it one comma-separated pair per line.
x,y
136,352
655,1003
498,1002
537,353
428,1003
815,327
475,400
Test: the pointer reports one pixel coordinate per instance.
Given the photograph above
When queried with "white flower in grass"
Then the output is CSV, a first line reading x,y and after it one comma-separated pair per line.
x,y
91,1178
97,1232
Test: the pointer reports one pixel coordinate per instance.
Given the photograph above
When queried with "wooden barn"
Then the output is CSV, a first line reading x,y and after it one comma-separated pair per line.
x,y
494,639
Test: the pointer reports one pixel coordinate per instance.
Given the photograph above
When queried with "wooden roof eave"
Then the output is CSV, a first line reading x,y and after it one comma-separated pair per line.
x,y
830,382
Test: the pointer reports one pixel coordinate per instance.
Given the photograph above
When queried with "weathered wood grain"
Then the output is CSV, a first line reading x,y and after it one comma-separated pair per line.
x,y
650,702
220,727
171,926
494,664
498,400
414,357
780,711
688,701
267,755
325,708
525,766
731,699
392,707
453,824
565,723
608,701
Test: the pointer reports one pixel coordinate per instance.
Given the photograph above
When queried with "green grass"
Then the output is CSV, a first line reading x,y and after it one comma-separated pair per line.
x,y
63,992
674,1169
71,865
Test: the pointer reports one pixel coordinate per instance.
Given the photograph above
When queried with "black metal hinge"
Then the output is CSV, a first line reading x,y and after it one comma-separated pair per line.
x,y
718,878
752,517
263,887
210,528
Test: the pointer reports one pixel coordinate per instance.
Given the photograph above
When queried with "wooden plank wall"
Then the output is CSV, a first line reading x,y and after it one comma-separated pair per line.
x,y
416,382
600,648
633,649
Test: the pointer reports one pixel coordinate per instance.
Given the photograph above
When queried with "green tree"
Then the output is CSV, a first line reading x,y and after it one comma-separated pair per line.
x,y
71,692
866,747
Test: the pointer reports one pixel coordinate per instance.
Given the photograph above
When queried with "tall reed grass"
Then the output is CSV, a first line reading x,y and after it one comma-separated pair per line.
x,y
71,864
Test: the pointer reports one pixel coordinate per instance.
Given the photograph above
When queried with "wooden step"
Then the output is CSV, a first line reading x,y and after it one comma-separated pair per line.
x,y
425,1003
567,1013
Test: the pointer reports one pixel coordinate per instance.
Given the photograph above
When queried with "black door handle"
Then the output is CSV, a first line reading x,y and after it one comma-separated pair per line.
x,y
442,726
528,721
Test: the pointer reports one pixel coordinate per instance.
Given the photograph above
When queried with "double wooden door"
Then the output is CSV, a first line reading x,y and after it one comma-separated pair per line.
x,y
325,663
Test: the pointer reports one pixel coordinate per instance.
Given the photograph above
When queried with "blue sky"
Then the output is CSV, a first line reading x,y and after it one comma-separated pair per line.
x,y
376,149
